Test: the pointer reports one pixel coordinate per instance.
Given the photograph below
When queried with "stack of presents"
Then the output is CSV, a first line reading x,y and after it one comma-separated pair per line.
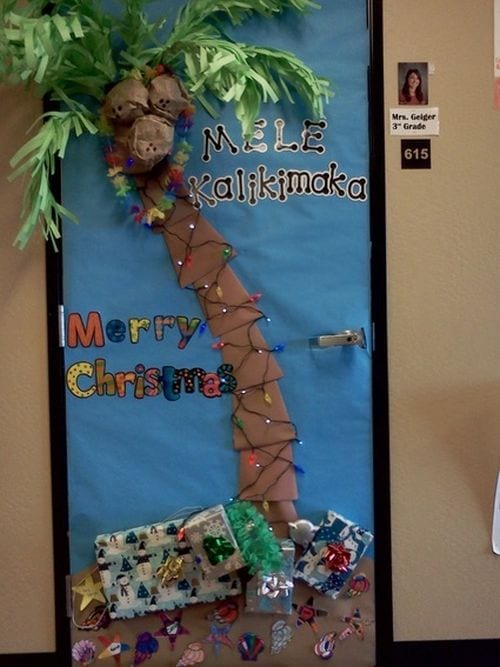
x,y
221,552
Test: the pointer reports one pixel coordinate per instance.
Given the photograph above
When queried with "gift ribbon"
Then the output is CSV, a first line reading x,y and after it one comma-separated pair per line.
x,y
218,549
272,585
171,569
337,558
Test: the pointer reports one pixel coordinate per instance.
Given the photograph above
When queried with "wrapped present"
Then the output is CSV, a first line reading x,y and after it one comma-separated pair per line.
x,y
210,535
149,569
331,557
271,592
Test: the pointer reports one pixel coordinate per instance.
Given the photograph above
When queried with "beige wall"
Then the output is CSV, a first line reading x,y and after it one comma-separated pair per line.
x,y
444,298
27,609
444,282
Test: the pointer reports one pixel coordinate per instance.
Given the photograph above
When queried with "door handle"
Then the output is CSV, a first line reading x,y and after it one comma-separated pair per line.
x,y
341,338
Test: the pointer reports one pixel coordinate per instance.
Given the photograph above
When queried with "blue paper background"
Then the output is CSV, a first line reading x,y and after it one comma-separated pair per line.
x,y
133,461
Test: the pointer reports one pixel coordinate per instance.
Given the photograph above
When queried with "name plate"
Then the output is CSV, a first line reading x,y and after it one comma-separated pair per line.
x,y
414,121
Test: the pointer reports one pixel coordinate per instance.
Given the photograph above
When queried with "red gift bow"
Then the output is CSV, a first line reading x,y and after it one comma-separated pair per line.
x,y
337,558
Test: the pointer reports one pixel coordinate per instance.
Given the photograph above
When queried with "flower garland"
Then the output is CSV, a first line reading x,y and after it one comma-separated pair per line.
x,y
258,545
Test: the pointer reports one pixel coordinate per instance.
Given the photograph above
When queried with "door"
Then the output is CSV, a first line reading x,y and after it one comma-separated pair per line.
x,y
226,355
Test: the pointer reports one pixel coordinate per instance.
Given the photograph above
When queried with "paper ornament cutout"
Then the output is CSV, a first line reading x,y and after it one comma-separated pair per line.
x,y
172,627
193,655
83,652
356,624
281,635
250,646
145,647
89,590
113,648
325,646
358,584
307,613
225,613
219,637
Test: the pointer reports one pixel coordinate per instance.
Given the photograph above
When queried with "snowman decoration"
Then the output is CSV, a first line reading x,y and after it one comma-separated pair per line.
x,y
116,543
183,549
103,568
143,566
126,594
156,534
170,594
353,541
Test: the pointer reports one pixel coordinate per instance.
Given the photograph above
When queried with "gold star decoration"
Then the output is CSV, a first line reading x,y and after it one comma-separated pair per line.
x,y
89,590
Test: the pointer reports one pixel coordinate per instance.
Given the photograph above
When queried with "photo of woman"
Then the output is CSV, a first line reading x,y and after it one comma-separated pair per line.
x,y
412,83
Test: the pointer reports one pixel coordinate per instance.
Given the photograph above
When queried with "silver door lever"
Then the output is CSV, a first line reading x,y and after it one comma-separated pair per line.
x,y
341,338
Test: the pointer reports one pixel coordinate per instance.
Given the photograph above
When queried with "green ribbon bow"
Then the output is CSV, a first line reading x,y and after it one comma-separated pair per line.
x,y
218,549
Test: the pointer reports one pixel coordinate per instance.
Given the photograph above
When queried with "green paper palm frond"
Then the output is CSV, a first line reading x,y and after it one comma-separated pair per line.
x,y
37,160
285,70
70,51
248,76
196,12
135,29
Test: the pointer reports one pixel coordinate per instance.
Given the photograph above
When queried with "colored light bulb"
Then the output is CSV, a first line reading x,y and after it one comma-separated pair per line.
x,y
252,458
218,345
226,253
255,297
267,398
219,292
279,347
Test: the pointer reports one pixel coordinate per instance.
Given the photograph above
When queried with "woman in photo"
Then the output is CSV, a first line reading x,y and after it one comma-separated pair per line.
x,y
412,92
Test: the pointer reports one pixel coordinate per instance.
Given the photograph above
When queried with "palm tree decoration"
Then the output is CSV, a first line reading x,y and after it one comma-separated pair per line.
x,y
73,53
66,49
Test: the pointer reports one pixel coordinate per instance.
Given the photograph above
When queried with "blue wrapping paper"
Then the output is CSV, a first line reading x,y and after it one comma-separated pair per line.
x,y
335,532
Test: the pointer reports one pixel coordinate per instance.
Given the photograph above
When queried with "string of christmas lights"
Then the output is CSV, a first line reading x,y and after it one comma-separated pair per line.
x,y
201,257
216,306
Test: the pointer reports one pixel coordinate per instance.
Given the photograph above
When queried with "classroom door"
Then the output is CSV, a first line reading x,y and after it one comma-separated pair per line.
x,y
190,383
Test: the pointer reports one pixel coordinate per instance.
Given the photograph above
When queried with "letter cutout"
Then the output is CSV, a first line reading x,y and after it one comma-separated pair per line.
x,y
85,335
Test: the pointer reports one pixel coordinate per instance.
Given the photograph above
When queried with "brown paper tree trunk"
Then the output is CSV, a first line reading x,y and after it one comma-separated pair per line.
x,y
262,430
